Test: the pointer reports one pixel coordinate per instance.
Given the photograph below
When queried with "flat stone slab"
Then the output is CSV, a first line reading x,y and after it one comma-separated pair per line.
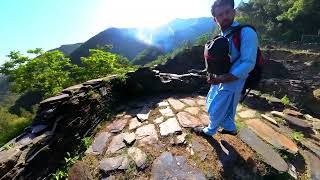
x,y
192,110
149,140
176,104
138,156
204,119
271,136
8,160
26,139
180,139
311,146
240,108
189,101
273,99
129,138
314,164
114,163
204,108
117,144
117,125
158,120
163,104
73,88
94,81
269,119
147,130
201,102
187,120
100,143
200,149
147,134
38,129
134,123
171,126
166,112
144,113
247,114
269,156
292,113
293,120
58,98
172,167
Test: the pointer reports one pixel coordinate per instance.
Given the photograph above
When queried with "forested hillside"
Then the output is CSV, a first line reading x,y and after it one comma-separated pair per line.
x,y
283,20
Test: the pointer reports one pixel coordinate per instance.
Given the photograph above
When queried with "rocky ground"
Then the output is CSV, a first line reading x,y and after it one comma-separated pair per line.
x,y
152,139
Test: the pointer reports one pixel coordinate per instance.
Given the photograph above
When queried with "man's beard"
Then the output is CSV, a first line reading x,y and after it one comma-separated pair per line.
x,y
226,24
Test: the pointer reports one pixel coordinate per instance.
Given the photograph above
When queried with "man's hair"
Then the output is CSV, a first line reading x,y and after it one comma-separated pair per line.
x,y
218,3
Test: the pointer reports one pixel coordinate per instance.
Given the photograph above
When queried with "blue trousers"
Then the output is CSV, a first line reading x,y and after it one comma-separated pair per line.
x,y
221,105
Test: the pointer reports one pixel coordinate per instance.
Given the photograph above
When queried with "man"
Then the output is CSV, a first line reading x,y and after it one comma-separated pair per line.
x,y
225,91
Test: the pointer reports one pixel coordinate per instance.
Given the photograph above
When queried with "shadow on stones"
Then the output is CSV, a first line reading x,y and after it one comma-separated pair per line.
x,y
261,104
234,166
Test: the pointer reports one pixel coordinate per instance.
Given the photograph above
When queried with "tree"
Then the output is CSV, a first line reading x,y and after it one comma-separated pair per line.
x,y
46,73
284,20
100,64
147,55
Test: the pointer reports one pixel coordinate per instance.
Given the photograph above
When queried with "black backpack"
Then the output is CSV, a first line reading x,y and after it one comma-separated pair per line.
x,y
255,75
216,55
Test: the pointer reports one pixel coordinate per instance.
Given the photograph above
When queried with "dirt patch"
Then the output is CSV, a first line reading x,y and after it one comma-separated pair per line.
x,y
286,54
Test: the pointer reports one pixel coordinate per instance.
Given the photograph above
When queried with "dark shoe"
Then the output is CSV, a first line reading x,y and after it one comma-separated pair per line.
x,y
233,133
199,131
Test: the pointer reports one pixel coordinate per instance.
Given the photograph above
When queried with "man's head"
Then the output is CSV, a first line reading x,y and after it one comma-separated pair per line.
x,y
223,13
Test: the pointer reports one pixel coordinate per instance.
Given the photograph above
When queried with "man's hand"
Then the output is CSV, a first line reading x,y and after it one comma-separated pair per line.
x,y
222,79
212,80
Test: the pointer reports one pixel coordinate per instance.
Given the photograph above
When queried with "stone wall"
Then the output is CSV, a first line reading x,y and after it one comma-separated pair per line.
x,y
62,121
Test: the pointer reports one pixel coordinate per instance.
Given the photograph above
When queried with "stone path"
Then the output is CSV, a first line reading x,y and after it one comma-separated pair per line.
x,y
156,142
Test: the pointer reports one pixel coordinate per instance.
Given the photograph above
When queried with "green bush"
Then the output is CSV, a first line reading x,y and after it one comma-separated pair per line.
x,y
12,125
285,100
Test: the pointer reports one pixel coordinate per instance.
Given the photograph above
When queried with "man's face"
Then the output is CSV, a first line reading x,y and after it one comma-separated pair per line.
x,y
224,16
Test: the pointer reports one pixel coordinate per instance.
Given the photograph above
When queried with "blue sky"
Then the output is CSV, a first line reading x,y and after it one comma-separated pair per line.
x,y
47,24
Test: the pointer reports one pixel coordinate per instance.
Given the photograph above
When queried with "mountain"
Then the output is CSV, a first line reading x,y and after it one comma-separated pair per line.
x,y
68,48
129,42
123,41
179,31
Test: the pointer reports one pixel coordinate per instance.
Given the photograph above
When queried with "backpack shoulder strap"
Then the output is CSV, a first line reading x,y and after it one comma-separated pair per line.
x,y
236,32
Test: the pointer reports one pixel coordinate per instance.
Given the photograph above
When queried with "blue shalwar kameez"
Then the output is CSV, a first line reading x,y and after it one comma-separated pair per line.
x,y
223,98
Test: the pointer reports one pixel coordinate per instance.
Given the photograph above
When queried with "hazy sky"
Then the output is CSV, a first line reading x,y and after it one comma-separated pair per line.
x,y
47,24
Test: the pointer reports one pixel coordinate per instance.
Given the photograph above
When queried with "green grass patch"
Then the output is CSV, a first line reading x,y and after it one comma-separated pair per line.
x,y
240,125
285,100
86,142
131,171
188,138
298,136
62,173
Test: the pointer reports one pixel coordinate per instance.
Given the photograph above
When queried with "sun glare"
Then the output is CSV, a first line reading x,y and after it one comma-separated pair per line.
x,y
147,13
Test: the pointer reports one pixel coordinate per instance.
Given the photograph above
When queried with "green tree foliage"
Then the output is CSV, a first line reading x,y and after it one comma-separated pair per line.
x,y
45,73
147,56
99,64
283,20
162,59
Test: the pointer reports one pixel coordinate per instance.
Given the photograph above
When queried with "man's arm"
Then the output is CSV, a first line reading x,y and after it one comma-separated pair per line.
x,y
248,52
